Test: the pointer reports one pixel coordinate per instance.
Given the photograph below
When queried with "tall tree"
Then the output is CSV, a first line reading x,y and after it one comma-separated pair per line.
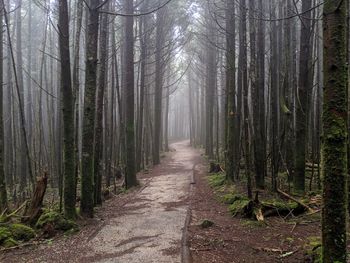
x,y
210,85
68,112
130,170
335,132
87,180
259,104
99,109
275,136
302,97
3,192
158,85
244,69
230,87
19,62
144,39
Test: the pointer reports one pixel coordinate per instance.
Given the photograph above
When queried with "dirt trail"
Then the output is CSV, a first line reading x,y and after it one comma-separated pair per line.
x,y
144,226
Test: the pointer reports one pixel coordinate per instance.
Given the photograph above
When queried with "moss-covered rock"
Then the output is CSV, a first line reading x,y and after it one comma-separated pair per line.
x,y
9,242
4,234
21,232
56,221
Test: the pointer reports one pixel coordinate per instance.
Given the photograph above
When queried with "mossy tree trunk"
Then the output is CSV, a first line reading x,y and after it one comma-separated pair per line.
x,y
87,179
335,132
68,112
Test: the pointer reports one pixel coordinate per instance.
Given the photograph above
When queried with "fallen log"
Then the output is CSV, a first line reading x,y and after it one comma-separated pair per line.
x,y
295,200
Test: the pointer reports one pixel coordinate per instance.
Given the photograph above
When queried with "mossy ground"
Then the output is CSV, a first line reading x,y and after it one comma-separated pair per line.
x,y
239,206
314,248
21,232
56,220
11,234
206,223
217,179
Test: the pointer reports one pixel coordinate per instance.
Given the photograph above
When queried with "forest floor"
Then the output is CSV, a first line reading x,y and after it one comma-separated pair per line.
x,y
160,222
238,240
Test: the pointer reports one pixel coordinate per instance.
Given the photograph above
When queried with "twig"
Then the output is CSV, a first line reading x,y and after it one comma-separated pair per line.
x,y
21,246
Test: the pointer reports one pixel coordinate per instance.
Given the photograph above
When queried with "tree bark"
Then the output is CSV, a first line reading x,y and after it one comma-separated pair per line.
x,y
68,112
87,180
302,98
335,132
130,171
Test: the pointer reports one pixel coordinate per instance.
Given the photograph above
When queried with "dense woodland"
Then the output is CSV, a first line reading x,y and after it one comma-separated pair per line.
x,y
95,91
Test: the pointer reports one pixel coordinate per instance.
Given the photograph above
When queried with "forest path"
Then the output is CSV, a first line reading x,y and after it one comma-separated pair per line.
x,y
150,230
146,225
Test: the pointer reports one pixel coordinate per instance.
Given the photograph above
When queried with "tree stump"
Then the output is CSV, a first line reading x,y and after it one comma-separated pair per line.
x,y
34,210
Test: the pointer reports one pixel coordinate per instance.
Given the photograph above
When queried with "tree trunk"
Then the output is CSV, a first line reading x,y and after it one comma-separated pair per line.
x,y
231,88
68,112
158,85
335,132
87,180
98,167
130,171
3,193
302,98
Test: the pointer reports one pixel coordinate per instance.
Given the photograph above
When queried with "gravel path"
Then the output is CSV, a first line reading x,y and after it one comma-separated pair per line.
x,y
146,227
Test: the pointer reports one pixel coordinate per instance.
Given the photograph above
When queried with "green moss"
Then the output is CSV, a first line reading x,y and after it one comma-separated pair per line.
x,y
253,223
313,248
230,198
9,242
239,207
280,204
56,220
217,180
281,207
206,223
290,239
4,234
21,232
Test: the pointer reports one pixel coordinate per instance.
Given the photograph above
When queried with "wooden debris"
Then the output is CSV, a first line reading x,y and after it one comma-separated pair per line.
x,y
215,168
34,210
295,200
